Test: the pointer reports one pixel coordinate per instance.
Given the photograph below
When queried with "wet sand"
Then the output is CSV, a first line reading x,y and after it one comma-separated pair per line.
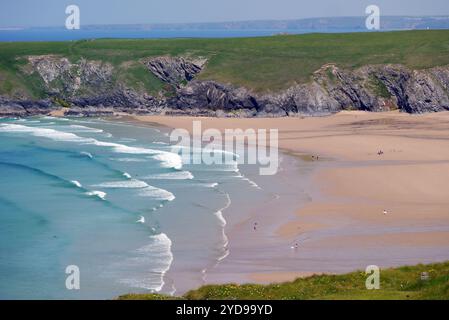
x,y
345,205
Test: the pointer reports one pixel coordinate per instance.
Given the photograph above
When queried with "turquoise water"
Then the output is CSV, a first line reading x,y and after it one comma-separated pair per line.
x,y
110,198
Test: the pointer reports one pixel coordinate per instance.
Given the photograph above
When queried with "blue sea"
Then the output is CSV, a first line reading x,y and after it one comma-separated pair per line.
x,y
112,199
61,34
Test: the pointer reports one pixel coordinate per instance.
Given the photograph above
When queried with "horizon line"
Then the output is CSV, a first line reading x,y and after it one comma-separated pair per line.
x,y
19,27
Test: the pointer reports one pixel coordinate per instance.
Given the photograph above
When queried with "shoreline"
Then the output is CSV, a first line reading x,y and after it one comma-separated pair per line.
x,y
243,242
345,228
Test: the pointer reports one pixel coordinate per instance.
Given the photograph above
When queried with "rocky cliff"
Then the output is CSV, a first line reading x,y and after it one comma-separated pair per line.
x,y
91,88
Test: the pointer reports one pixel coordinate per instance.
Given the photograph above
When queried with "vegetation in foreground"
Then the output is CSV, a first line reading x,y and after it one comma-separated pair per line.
x,y
262,64
402,283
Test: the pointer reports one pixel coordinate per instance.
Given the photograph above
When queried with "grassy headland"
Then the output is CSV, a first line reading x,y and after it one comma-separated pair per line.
x,y
262,64
396,283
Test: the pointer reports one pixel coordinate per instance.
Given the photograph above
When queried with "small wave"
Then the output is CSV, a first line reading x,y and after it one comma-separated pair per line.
x,y
127,175
223,222
127,140
28,121
131,184
55,118
160,143
145,190
43,132
80,128
157,193
251,182
177,175
128,159
76,183
208,185
141,220
99,194
168,159
220,217
157,254
87,154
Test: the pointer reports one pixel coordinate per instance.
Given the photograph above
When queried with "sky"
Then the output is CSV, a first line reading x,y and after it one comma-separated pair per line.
x,y
52,12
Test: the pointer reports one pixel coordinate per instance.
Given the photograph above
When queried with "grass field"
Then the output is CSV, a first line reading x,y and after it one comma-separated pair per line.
x,y
262,64
402,283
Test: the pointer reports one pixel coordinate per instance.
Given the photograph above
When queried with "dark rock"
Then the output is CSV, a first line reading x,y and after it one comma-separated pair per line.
x,y
175,70
210,95
22,108
89,89
123,100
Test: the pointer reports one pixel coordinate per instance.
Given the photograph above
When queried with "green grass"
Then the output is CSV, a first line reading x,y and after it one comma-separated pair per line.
x,y
402,283
136,76
262,64
379,88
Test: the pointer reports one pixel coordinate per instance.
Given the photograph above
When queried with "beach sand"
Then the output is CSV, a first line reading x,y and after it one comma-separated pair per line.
x,y
362,207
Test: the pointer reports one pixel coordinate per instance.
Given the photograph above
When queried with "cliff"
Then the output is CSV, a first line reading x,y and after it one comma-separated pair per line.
x,y
174,85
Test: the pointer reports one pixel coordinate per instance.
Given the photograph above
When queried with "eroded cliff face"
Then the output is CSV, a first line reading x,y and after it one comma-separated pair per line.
x,y
175,70
65,79
90,88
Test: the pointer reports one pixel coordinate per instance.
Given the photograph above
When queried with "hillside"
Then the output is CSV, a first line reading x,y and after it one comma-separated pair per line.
x,y
279,75
402,283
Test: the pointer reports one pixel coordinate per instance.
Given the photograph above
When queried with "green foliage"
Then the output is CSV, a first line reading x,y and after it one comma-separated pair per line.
x,y
379,88
396,284
136,75
62,102
262,63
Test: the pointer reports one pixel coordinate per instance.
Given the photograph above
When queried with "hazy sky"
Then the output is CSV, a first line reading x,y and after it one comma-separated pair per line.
x,y
52,12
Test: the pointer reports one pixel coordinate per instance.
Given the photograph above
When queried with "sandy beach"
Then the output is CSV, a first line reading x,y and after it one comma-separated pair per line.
x,y
376,190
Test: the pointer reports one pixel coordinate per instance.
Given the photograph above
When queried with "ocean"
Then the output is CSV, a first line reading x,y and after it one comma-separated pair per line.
x,y
61,34
112,199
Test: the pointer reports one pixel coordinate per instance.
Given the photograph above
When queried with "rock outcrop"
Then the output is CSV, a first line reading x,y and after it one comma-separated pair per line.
x,y
65,79
88,88
23,108
175,70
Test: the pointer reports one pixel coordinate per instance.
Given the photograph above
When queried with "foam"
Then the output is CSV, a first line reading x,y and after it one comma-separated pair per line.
x,y
208,185
251,182
128,184
128,159
145,190
157,254
168,159
43,132
177,175
157,193
99,194
79,128
87,154
220,217
76,183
